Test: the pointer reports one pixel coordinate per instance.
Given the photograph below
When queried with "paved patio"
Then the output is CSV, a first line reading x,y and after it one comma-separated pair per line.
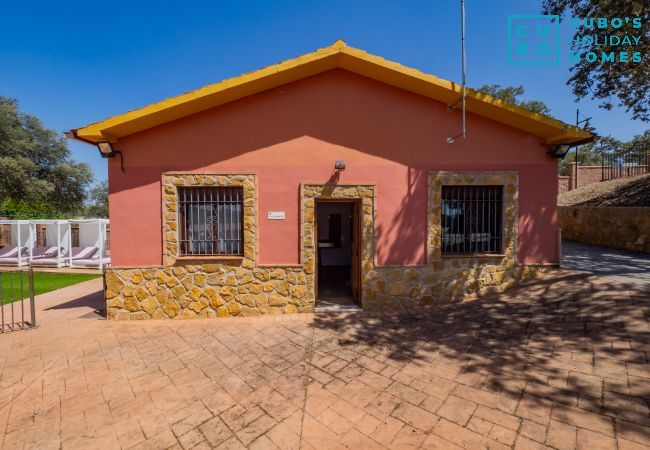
x,y
619,265
559,363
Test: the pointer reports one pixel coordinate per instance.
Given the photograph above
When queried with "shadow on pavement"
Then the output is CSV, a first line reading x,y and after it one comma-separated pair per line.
x,y
94,301
566,339
626,267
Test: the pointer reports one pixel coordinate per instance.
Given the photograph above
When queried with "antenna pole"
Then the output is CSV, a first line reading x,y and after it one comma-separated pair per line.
x,y
462,32
463,134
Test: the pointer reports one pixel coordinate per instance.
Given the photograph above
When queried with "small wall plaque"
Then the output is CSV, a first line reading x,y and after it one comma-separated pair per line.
x,y
275,215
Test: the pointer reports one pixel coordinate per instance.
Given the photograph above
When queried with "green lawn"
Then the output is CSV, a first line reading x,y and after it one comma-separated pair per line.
x,y
43,282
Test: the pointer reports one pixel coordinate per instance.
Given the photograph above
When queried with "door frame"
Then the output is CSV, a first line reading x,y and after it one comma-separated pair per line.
x,y
355,275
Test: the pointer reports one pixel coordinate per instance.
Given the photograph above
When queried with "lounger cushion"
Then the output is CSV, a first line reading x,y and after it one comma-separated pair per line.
x,y
13,260
83,252
92,262
47,262
43,252
9,252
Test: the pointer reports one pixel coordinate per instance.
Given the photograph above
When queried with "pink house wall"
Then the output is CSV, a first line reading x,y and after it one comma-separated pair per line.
x,y
294,134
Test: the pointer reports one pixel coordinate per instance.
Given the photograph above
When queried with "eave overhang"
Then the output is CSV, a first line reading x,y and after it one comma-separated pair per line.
x,y
338,55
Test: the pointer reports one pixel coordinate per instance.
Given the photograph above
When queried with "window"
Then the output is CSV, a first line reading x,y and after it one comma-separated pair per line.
x,y
472,219
211,221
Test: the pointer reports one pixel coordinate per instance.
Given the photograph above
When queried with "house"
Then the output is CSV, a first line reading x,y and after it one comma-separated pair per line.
x,y
325,176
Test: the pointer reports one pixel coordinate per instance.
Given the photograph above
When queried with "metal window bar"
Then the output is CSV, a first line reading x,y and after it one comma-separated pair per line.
x,y
472,219
210,221
16,287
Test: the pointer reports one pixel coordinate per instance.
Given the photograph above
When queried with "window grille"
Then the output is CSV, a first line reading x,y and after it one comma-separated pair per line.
x,y
472,219
211,221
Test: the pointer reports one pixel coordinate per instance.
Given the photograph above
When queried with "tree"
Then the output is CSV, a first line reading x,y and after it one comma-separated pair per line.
x,y
640,145
628,81
513,94
37,172
98,205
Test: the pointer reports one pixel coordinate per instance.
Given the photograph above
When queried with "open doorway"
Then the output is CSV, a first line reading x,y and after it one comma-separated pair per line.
x,y
338,233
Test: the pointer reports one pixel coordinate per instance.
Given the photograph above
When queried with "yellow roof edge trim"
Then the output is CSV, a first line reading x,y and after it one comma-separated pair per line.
x,y
337,55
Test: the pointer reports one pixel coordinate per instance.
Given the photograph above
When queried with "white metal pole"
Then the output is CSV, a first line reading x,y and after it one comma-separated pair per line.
x,y
69,243
32,238
58,243
19,243
101,245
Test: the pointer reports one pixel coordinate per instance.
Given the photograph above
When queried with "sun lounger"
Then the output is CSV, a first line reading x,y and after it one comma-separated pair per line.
x,y
9,252
83,252
92,262
44,252
50,257
9,255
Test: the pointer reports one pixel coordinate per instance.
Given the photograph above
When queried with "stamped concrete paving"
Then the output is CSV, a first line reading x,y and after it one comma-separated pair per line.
x,y
559,363
619,265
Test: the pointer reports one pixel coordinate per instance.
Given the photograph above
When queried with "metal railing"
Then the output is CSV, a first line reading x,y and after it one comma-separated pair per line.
x,y
16,287
625,163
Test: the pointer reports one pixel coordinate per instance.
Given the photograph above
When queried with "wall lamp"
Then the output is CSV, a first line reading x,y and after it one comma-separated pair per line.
x,y
105,148
559,151
107,151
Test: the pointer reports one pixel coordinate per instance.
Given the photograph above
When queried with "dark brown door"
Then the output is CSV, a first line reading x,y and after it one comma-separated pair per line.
x,y
355,263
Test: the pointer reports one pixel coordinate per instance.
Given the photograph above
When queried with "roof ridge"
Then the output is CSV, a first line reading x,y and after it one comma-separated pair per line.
x,y
336,55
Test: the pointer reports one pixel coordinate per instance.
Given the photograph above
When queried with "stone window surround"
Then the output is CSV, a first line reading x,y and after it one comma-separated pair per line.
x,y
309,192
510,182
171,180
170,183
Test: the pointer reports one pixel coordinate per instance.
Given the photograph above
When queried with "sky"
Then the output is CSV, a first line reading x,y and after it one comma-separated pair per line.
x,y
76,62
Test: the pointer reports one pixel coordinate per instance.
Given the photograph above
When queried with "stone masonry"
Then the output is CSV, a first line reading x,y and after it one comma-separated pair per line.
x,y
449,278
187,288
624,228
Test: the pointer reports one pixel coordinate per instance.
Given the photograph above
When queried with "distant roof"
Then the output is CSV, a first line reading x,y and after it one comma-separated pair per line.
x,y
337,55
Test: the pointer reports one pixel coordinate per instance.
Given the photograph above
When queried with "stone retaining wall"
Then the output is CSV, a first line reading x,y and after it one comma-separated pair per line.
x,y
622,228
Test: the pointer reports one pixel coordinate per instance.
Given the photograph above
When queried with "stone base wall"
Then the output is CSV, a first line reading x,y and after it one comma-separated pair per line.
x,y
443,282
206,290
218,290
622,228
